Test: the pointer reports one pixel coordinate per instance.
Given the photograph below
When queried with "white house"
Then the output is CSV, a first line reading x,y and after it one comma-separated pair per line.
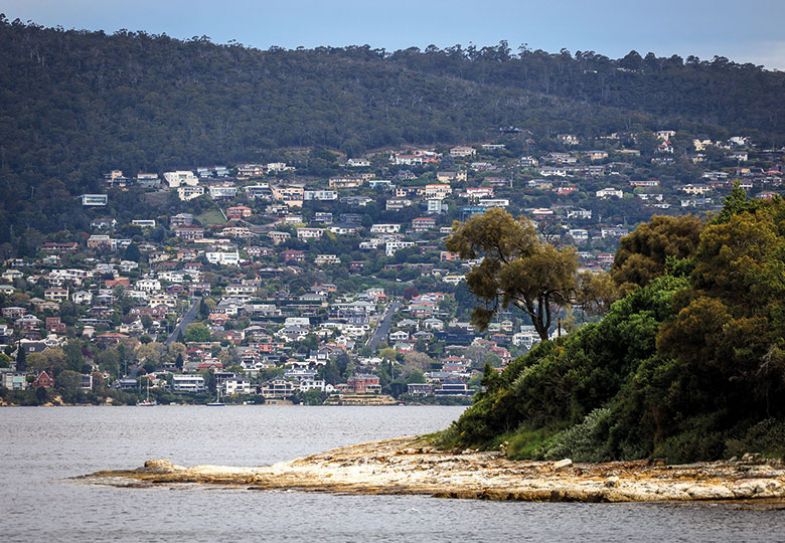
x,y
188,383
223,258
179,178
609,193
187,192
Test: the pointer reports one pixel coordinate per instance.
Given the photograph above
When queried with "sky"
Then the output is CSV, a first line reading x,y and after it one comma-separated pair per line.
x,y
748,31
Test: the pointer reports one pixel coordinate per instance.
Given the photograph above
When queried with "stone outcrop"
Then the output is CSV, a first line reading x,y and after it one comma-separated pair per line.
x,y
410,466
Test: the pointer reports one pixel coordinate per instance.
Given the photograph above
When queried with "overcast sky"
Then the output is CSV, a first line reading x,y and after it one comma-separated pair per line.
x,y
748,31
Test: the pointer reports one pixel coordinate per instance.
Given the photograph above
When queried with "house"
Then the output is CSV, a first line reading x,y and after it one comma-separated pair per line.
x,y
614,232
358,163
54,325
344,229
277,389
181,178
462,151
419,389
56,294
218,192
695,190
233,387
489,203
364,384
449,176
395,204
148,180
14,381
238,212
596,155
568,139
59,247
423,224
181,219
327,260
348,182
43,380
437,190
475,193
609,193
433,324
580,214
385,228
391,247
398,335
188,233
649,183
293,255
248,171
320,195
188,192
188,384
100,241
279,237
86,381
452,388
306,234
578,235
436,206
94,200
222,258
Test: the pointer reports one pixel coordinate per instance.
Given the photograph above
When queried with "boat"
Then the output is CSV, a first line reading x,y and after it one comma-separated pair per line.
x,y
147,402
217,402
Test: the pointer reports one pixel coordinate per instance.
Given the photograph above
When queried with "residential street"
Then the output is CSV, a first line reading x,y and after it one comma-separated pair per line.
x,y
384,325
187,319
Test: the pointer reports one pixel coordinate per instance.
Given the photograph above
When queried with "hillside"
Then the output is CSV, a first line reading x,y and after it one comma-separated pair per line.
x,y
75,104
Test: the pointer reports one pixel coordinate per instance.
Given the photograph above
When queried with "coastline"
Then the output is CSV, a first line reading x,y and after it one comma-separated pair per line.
x,y
408,465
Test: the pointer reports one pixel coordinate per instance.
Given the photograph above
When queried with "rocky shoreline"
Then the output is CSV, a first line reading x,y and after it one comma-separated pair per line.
x,y
408,465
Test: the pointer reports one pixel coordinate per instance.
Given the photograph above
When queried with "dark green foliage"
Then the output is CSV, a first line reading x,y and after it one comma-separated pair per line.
x,y
559,383
21,360
77,104
685,368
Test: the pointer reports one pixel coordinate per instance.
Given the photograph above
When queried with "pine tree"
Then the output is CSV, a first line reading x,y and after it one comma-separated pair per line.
x,y
21,360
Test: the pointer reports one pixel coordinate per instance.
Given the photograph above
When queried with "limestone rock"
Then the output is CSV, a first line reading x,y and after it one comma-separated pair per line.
x,y
160,465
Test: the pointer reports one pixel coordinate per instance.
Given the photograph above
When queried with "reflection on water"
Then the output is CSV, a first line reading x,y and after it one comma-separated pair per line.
x,y
41,448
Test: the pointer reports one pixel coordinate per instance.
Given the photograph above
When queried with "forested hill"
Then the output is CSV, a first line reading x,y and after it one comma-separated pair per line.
x,y
74,103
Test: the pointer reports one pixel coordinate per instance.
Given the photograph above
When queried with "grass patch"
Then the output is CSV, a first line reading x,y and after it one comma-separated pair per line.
x,y
211,217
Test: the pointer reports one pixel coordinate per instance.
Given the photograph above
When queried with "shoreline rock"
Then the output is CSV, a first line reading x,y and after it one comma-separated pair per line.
x,y
408,465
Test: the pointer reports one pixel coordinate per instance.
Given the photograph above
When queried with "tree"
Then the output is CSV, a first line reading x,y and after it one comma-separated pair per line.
x,y
51,358
109,361
41,395
69,383
132,253
197,333
152,352
644,254
595,292
204,310
21,360
516,269
73,355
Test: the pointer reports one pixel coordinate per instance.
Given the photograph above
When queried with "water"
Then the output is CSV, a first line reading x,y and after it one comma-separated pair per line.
x,y
41,448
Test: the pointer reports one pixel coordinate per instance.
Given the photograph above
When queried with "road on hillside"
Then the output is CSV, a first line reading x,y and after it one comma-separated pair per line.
x,y
383,328
187,319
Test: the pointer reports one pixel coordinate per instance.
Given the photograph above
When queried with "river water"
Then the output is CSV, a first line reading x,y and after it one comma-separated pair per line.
x,y
41,448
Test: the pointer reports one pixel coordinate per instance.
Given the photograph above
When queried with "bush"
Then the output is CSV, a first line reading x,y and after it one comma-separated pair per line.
x,y
584,442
